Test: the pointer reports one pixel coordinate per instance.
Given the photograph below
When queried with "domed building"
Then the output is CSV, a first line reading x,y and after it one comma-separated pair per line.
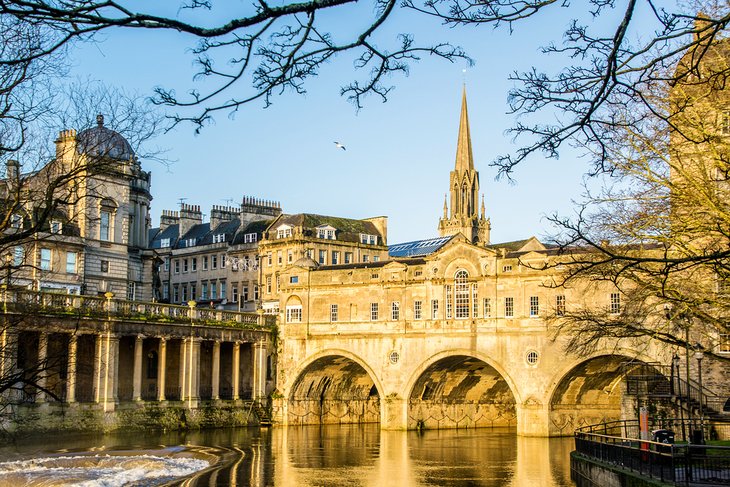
x,y
95,239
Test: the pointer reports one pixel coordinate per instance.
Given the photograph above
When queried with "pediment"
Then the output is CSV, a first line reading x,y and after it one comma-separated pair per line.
x,y
532,244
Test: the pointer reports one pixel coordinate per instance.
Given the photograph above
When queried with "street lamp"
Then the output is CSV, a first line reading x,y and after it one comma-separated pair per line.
x,y
699,355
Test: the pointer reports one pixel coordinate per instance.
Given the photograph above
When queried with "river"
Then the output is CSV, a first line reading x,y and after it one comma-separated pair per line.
x,y
348,455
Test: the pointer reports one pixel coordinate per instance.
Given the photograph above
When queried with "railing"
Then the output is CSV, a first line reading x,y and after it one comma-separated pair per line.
x,y
14,300
618,443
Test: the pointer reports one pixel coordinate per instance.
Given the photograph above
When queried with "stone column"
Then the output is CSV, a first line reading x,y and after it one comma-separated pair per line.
x,y
106,366
216,372
161,368
259,370
71,369
393,412
97,368
236,369
183,368
42,379
195,370
137,377
533,418
9,363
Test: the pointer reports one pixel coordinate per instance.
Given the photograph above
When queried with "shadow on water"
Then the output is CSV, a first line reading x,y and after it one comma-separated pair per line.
x,y
341,455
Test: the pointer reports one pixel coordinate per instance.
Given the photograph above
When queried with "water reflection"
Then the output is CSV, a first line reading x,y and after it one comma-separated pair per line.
x,y
348,455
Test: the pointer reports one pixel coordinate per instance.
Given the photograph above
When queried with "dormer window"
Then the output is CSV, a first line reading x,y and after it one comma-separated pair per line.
x,y
164,243
190,242
326,232
219,238
284,231
56,226
249,238
368,239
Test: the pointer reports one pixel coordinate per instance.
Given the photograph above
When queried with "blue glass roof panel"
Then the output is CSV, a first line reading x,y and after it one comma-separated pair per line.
x,y
417,248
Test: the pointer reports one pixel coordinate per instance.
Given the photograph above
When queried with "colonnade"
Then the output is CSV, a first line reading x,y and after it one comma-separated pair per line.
x,y
110,368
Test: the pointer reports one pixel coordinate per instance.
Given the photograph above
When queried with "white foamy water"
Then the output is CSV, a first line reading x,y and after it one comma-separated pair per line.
x,y
98,470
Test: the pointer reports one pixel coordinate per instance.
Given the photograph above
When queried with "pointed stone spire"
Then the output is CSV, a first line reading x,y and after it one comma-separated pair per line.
x,y
484,213
464,157
446,208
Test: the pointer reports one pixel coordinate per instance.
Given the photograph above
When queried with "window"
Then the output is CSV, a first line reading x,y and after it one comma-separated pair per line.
x,y
245,293
256,292
167,264
395,311
193,291
365,258
18,256
185,265
474,301
376,258
204,291
289,256
268,284
434,309
223,290
184,293
322,256
45,259
724,346
507,268
219,238
213,290
293,279
177,266
560,305
534,305
164,243
16,221
205,263
104,225
461,293
223,261
104,266
56,226
166,291
449,301
326,232
284,231
294,314
509,307
373,311
268,258
249,238
335,257
194,264
279,259
368,239
191,242
213,261
278,286
333,312
487,308
308,253
71,262
175,294
417,310
615,303
348,257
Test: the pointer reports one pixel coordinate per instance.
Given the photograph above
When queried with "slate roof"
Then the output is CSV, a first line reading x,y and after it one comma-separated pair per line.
x,y
418,248
348,230
199,232
373,265
170,232
258,227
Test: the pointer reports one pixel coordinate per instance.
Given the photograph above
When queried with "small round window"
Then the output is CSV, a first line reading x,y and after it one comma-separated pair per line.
x,y
532,357
394,357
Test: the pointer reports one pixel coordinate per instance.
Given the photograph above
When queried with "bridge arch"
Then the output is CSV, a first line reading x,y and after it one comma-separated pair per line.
x,y
591,389
460,389
333,387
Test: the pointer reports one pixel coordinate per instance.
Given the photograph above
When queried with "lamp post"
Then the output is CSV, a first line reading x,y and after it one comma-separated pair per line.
x,y
699,355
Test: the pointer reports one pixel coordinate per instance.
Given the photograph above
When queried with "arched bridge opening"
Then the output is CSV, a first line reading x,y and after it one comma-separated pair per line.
x,y
334,390
596,390
460,392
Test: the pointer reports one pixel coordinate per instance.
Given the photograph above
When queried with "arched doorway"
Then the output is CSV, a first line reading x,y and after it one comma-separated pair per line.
x,y
460,392
334,390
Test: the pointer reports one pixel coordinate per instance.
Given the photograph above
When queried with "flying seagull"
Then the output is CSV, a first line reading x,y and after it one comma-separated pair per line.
x,y
339,146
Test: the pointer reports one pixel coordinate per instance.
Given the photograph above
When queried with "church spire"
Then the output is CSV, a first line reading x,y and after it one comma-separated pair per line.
x,y
464,157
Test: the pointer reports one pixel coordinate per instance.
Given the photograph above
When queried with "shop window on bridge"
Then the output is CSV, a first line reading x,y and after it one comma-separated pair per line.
x,y
534,306
615,306
487,308
395,311
294,313
417,310
461,294
449,302
509,307
373,311
333,312
560,305
434,309
474,301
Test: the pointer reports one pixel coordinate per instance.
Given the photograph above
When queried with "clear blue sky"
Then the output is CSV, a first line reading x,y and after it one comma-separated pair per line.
x,y
398,155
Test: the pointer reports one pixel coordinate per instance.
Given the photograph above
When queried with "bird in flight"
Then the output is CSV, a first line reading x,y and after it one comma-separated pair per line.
x,y
339,146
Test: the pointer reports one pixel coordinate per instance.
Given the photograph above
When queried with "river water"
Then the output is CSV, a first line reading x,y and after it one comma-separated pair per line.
x,y
348,455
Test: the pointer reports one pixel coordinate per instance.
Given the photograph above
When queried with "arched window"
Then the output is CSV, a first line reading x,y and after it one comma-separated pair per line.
x,y
106,219
461,293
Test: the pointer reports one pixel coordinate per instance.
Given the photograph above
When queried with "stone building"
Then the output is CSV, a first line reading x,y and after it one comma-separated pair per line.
x,y
94,237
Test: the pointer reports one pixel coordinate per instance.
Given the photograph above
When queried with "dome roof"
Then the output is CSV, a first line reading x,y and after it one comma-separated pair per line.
x,y
101,141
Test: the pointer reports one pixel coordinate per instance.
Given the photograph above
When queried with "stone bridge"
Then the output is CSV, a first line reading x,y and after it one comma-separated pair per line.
x,y
429,343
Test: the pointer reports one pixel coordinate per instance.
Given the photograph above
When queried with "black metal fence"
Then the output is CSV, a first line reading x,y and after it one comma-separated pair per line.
x,y
682,464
